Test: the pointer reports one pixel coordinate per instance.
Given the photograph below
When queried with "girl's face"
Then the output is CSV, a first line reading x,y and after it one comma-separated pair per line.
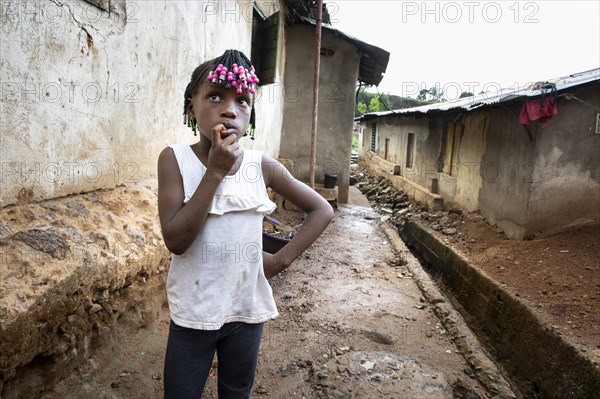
x,y
215,104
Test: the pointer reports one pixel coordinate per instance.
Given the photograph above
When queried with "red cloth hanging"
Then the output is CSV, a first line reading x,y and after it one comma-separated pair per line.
x,y
535,109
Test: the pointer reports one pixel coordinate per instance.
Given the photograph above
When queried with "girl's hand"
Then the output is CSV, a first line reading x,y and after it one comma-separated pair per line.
x,y
223,152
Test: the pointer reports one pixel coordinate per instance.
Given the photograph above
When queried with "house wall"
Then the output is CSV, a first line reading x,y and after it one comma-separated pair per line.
x,y
566,178
461,187
395,130
89,99
524,187
491,168
337,85
506,169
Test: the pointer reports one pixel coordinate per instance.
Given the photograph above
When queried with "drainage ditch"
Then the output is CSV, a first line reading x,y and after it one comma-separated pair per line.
x,y
537,359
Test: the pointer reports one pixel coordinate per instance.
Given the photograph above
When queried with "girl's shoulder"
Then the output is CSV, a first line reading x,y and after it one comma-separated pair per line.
x,y
266,159
272,169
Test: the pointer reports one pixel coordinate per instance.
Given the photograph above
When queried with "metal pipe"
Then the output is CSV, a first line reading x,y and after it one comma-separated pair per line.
x,y
315,114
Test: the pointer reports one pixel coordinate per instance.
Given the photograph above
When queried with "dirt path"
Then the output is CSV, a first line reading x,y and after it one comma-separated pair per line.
x,y
353,324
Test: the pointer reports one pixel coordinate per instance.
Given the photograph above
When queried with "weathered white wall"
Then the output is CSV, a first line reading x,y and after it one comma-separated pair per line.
x,y
89,99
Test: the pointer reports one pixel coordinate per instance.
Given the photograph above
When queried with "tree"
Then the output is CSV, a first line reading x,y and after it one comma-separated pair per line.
x,y
434,94
423,95
375,105
437,94
466,94
361,108
365,103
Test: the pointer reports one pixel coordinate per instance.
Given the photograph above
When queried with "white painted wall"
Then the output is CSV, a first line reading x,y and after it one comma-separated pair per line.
x,y
88,99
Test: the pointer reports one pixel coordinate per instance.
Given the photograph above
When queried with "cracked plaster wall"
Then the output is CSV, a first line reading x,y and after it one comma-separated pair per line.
x,y
89,98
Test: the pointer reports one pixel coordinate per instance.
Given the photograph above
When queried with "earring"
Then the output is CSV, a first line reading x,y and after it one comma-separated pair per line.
x,y
191,122
249,131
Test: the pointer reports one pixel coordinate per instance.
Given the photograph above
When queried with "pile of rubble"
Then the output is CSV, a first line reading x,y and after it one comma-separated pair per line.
x,y
397,208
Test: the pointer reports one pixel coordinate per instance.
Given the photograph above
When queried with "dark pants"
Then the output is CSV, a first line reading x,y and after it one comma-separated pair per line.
x,y
190,354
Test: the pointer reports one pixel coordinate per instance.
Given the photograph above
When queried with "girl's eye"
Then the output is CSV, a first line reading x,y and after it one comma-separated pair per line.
x,y
213,97
244,101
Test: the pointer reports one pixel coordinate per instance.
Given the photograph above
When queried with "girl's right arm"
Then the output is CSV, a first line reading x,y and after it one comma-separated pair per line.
x,y
182,222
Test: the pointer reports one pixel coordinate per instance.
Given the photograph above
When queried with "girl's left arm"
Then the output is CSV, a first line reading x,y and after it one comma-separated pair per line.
x,y
319,214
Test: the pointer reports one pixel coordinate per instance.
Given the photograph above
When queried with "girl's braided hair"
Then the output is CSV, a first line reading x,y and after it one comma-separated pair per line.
x,y
230,59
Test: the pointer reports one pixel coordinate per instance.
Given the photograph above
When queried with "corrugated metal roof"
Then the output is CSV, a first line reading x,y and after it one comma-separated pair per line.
x,y
373,60
480,100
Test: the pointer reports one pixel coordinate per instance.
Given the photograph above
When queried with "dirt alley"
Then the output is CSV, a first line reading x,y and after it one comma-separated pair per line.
x,y
352,324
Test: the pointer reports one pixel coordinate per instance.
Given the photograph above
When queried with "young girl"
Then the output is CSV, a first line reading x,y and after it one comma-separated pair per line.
x,y
212,197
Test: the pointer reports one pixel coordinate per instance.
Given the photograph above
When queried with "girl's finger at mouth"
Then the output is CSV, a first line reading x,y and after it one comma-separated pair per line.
x,y
225,134
217,132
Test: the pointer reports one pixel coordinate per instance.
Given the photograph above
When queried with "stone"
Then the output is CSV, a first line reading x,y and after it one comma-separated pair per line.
x,y
449,231
44,241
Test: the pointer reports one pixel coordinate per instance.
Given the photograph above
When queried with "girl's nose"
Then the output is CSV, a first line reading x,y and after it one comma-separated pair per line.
x,y
228,109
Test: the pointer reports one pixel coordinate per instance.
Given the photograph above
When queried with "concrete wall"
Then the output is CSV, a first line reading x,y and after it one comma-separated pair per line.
x,y
566,178
338,75
89,98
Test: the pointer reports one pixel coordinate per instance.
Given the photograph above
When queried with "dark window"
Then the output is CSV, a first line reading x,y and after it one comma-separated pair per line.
x,y
410,150
373,136
265,45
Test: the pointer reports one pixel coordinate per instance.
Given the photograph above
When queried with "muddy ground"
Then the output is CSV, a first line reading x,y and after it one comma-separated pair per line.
x,y
557,274
352,324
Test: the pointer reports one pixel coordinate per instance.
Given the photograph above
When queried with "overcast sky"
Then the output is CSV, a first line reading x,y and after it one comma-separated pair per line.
x,y
474,45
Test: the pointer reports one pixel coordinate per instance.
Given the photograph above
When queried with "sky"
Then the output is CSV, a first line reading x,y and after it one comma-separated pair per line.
x,y
473,46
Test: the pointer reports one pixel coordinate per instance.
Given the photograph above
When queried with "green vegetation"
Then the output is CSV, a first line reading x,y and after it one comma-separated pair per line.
x,y
368,101
354,143
371,101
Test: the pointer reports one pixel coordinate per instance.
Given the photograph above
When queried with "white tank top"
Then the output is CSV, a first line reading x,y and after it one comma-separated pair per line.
x,y
220,278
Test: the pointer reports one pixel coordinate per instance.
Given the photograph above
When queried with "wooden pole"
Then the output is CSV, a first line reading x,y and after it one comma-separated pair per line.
x,y
315,114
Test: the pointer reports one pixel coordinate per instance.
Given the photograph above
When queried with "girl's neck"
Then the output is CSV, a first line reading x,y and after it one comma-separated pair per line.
x,y
201,148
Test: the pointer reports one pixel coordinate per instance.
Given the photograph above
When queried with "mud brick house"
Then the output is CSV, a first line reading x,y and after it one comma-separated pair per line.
x,y
482,153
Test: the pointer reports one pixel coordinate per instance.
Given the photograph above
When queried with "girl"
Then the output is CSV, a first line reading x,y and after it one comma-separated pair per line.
x,y
212,197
